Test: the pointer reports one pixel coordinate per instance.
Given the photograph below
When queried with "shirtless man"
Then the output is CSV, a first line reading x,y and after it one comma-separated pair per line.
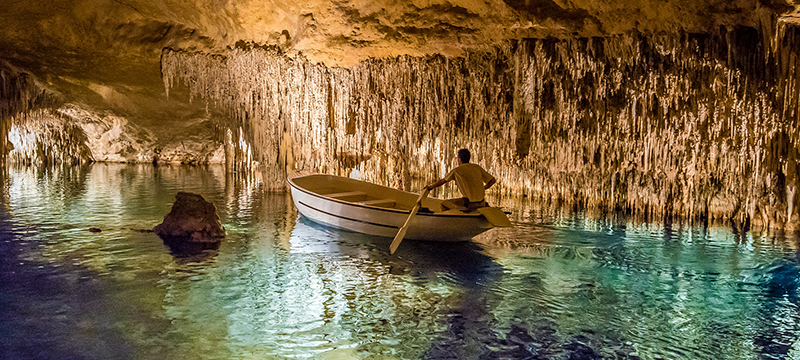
x,y
471,179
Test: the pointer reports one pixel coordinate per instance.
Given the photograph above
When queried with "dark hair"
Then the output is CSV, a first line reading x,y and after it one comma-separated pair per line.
x,y
463,155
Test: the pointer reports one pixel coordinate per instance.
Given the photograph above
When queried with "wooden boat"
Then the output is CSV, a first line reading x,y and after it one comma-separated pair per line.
x,y
372,209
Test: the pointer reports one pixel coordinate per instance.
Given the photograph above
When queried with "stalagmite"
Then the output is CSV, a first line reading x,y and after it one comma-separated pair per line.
x,y
683,124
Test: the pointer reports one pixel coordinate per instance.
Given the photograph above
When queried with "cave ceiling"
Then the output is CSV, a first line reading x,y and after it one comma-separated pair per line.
x,y
105,54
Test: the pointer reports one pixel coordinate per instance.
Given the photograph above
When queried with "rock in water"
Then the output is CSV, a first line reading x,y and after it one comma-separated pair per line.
x,y
191,220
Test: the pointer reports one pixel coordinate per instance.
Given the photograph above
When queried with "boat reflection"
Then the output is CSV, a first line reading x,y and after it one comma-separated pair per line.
x,y
462,262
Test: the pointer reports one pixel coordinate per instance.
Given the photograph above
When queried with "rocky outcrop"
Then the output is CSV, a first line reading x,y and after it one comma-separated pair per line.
x,y
192,221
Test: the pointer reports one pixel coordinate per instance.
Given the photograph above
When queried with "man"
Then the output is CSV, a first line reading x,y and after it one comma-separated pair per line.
x,y
471,179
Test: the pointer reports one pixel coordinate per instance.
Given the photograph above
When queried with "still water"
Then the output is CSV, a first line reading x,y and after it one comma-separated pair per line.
x,y
559,285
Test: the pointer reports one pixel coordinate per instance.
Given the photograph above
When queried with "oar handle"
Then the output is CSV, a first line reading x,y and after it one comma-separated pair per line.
x,y
423,195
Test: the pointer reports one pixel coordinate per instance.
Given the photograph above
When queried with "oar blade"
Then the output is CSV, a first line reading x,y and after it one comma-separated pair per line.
x,y
496,216
397,239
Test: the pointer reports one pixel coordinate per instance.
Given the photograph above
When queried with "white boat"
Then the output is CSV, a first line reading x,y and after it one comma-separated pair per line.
x,y
372,209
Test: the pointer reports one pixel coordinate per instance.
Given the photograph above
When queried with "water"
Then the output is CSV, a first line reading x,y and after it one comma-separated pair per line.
x,y
559,285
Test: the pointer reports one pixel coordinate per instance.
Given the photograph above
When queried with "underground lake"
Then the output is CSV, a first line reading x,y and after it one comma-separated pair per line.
x,y
560,284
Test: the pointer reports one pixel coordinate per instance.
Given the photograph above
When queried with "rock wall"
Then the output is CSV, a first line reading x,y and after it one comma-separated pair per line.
x,y
42,128
701,126
72,135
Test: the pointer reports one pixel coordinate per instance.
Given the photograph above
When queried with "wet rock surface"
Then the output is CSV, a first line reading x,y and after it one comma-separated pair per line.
x,y
193,221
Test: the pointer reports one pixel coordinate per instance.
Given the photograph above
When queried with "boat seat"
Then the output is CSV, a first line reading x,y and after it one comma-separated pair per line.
x,y
346,194
378,202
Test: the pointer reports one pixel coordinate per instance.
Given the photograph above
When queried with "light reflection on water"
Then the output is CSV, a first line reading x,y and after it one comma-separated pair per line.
x,y
558,285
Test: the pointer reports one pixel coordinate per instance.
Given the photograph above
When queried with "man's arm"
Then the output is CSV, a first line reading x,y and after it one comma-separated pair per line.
x,y
438,183
490,183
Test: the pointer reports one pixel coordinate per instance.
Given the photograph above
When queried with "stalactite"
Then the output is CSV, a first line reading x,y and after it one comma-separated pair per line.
x,y
659,125
73,135
41,137
19,93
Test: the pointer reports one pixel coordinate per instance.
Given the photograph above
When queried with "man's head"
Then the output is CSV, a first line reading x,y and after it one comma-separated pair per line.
x,y
463,156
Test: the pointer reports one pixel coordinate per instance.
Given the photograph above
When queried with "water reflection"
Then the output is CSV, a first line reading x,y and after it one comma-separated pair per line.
x,y
558,285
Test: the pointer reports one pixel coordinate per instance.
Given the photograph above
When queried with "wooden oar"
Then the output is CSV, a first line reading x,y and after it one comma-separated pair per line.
x,y
402,232
495,216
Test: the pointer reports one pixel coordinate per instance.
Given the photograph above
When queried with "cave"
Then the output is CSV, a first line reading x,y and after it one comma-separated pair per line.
x,y
663,135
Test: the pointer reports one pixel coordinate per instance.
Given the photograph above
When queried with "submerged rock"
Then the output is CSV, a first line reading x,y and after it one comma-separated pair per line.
x,y
192,220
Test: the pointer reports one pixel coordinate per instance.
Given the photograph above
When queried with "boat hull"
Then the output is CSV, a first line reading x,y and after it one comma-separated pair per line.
x,y
384,222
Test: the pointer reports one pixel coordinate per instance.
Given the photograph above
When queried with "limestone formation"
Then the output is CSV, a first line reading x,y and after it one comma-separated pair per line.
x,y
702,126
192,220
659,108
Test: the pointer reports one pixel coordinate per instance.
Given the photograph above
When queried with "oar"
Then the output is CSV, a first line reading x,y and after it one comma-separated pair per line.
x,y
496,216
402,232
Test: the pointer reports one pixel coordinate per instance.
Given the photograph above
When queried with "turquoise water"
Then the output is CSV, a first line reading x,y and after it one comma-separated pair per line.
x,y
559,285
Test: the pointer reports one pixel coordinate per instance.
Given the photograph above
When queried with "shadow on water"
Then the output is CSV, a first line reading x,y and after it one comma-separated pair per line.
x,y
472,327
185,251
473,331
462,263
781,281
33,320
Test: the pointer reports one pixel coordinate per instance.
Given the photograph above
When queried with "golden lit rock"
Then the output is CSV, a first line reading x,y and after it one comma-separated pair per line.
x,y
658,108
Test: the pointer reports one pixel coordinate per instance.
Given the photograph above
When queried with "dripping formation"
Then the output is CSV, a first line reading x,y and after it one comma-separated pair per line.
x,y
41,128
19,95
692,125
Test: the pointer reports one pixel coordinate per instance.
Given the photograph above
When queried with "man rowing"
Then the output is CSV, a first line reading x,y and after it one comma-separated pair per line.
x,y
472,181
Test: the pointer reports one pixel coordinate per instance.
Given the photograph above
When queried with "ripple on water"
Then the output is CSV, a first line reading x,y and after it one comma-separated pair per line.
x,y
557,285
